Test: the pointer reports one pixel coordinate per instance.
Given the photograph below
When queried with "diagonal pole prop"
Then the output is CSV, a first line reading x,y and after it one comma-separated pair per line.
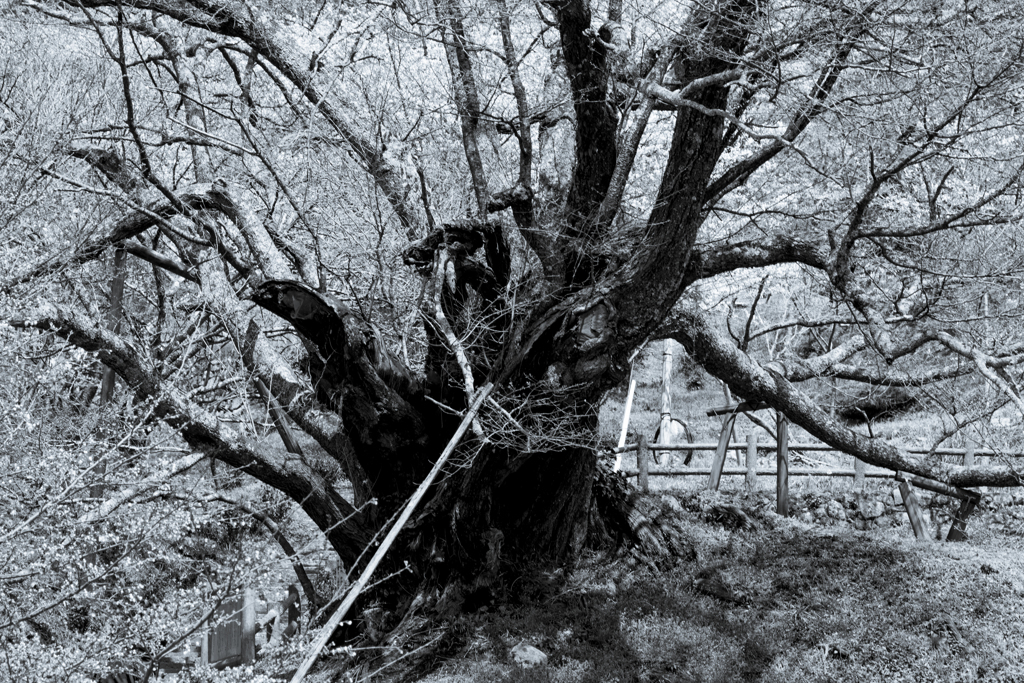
x,y
364,578
625,423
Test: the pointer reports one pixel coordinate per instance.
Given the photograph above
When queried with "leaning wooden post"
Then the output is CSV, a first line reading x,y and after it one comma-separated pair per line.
x,y
914,512
782,465
723,446
751,462
958,530
249,627
641,461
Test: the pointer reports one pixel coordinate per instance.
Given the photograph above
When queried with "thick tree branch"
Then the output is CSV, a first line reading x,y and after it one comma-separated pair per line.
x,y
708,261
467,99
596,124
629,142
151,482
160,260
696,333
387,432
203,432
828,77
654,278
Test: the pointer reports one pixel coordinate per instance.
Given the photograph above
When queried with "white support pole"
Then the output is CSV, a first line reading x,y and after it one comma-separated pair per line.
x,y
625,423
665,433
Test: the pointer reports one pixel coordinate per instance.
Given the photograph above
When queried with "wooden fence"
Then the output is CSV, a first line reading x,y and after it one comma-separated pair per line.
x,y
750,471
968,456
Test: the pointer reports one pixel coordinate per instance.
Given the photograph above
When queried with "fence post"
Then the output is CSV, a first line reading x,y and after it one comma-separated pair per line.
x,y
249,627
641,461
782,465
723,446
859,469
958,530
914,512
969,456
751,462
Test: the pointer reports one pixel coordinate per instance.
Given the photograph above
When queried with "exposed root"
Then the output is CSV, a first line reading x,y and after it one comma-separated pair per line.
x,y
730,517
659,523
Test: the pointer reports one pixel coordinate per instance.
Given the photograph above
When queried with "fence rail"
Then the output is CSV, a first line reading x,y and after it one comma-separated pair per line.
x,y
782,471
742,446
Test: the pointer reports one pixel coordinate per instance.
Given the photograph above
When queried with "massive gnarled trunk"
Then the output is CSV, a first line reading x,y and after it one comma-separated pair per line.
x,y
545,301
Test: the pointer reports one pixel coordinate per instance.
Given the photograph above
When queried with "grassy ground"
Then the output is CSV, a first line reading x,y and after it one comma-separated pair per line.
x,y
802,603
794,600
804,599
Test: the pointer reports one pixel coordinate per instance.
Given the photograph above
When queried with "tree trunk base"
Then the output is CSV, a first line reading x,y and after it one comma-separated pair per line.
x,y
422,633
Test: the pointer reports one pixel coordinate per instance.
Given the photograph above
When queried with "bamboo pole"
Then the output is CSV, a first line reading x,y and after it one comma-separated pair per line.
x,y
625,424
364,578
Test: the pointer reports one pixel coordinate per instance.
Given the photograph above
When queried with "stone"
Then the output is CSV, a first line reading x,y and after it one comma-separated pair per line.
x,y
897,497
872,510
835,510
609,589
671,504
528,656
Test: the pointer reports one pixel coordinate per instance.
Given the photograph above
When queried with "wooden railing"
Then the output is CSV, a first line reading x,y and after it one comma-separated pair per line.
x,y
748,468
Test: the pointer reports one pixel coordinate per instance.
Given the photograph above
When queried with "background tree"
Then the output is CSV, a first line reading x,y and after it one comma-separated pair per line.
x,y
278,163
